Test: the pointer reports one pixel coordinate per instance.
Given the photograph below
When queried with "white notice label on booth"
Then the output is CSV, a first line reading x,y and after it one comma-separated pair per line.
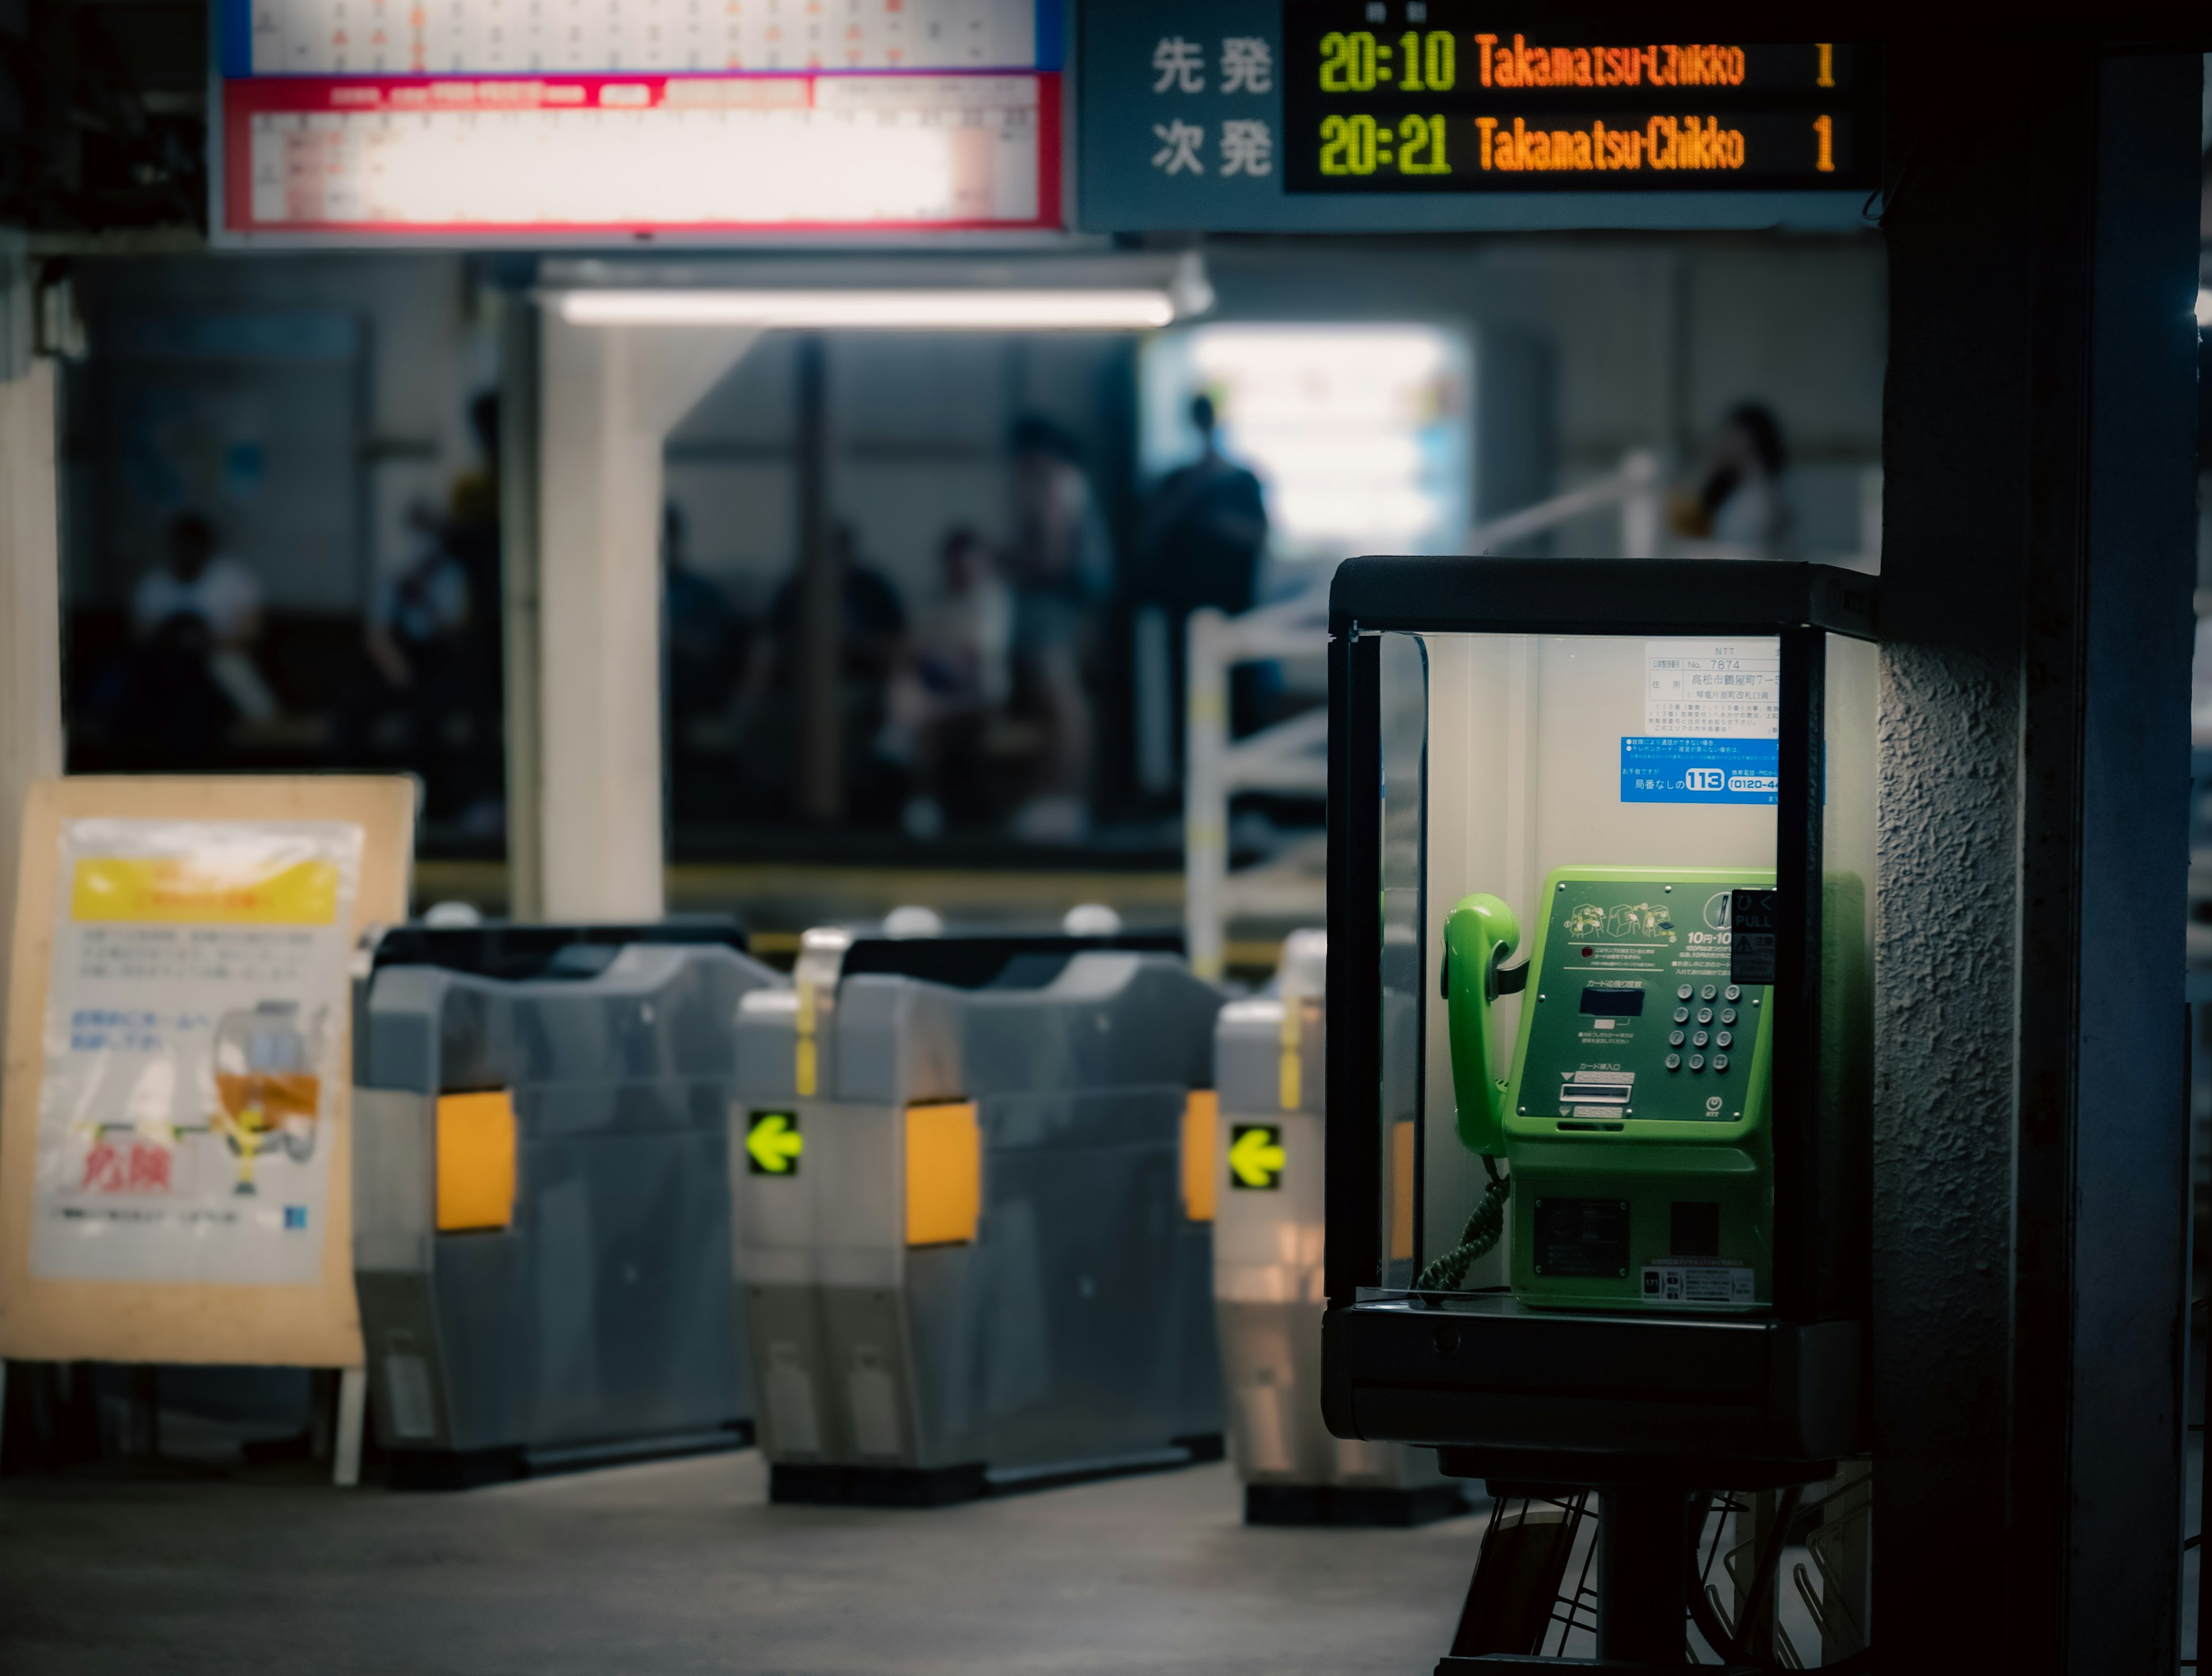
x,y
1713,690
193,1026
1697,1280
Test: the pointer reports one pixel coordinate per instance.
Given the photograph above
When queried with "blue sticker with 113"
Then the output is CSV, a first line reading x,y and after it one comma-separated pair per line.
x,y
1662,770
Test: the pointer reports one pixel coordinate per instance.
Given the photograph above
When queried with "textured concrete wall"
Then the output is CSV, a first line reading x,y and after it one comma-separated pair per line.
x,y
1944,965
2029,1223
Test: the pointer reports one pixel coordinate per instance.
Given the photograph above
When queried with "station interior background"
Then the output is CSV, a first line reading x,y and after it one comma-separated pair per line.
x,y
327,416
325,425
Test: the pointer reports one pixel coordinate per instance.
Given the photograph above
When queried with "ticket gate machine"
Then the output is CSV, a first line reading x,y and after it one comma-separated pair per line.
x,y
1268,1289
541,1230
965,1253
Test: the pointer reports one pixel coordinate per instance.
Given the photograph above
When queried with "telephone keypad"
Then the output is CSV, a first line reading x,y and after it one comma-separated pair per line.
x,y
1673,1038
1697,1061
1725,1039
1708,992
1674,1060
1699,1040
1681,1015
1704,1015
1728,1015
1720,1062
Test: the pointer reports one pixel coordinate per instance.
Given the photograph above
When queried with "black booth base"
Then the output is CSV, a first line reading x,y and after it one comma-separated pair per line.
x,y
1587,1399
1352,1505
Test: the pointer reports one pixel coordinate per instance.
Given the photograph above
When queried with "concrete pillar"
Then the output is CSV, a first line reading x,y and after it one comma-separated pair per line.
x,y
607,398
30,617
2031,1188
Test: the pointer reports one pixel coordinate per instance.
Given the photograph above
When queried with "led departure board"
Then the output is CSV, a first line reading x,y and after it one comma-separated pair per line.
x,y
479,121
1403,96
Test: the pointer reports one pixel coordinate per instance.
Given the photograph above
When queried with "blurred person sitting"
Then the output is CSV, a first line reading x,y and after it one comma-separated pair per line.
x,y
953,681
1061,565
1742,500
197,580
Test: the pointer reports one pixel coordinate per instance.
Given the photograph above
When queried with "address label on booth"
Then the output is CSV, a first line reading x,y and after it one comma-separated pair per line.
x,y
1700,770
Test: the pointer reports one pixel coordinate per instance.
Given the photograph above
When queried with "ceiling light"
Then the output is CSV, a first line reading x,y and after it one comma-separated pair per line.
x,y
833,310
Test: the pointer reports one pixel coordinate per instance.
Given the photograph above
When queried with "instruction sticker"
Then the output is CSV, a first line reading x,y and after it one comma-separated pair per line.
x,y
1714,690
1754,920
1712,770
1697,1280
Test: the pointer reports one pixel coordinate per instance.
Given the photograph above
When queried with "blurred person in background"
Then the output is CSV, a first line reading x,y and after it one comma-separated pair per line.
x,y
464,734
1059,566
952,685
769,723
1200,542
699,627
1742,499
417,638
197,580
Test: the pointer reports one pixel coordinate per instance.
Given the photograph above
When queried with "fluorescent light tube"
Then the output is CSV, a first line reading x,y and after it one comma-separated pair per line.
x,y
975,310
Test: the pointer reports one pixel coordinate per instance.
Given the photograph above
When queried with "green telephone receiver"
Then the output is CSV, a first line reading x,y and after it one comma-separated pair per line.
x,y
1480,936
1635,1110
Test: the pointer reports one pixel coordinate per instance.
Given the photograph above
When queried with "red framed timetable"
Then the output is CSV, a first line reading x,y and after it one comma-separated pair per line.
x,y
901,116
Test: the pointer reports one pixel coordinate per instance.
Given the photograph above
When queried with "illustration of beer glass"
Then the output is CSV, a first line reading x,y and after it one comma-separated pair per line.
x,y
265,1084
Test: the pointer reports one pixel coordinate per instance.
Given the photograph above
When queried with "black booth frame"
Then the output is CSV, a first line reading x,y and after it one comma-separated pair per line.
x,y
1785,1363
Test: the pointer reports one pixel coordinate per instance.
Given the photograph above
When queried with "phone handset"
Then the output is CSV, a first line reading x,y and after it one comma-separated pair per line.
x,y
1479,935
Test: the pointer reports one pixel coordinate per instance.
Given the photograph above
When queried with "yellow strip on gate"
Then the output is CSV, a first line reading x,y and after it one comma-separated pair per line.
x,y
1199,1187
944,1174
475,1161
1401,1191
171,891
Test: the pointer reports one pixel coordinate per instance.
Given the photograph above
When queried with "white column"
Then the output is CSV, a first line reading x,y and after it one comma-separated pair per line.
x,y
30,618
608,398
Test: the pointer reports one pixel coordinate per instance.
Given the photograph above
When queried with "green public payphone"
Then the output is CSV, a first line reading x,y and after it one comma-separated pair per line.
x,y
1598,1048
1635,1112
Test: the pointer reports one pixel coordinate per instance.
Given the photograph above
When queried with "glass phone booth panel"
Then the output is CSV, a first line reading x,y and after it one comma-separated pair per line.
x,y
1614,794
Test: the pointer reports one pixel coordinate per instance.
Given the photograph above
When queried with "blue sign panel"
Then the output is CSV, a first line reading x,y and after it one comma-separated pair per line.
x,y
1659,770
1227,117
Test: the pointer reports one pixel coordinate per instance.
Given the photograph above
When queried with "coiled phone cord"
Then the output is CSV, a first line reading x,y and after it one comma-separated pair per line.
x,y
1483,1227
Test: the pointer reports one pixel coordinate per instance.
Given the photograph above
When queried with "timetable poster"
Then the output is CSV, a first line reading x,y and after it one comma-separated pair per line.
x,y
484,120
193,1045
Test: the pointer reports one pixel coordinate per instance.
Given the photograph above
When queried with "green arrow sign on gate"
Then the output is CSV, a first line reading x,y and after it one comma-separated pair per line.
x,y
772,1143
1256,1156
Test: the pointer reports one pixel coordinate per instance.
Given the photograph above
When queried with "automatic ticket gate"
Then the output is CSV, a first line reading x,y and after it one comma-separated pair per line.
x,y
1267,1285
966,1256
542,1208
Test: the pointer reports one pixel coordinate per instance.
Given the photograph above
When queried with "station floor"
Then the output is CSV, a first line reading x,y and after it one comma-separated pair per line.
x,y
682,1566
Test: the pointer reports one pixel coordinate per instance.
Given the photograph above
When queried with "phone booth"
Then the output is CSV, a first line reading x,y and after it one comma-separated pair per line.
x,y
1601,869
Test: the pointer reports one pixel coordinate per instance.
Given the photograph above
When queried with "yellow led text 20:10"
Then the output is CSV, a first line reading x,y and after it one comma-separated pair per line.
x,y
1354,60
